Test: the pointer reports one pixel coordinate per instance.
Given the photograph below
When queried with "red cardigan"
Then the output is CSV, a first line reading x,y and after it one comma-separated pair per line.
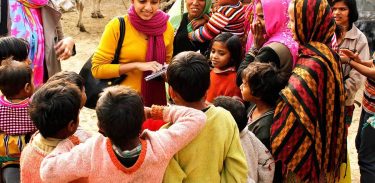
x,y
223,83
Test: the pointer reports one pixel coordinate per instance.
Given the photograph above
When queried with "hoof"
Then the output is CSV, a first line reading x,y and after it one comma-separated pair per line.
x,y
82,28
100,15
94,15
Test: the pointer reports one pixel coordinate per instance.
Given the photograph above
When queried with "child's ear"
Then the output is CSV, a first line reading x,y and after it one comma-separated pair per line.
x,y
29,88
72,126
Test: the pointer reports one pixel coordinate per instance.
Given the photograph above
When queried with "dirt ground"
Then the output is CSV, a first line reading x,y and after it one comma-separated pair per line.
x,y
86,42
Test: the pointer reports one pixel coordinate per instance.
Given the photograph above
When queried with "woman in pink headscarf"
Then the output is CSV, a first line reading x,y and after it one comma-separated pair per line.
x,y
270,40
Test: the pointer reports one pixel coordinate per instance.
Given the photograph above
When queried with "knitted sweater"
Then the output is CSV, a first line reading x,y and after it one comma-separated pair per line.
x,y
97,161
133,49
259,159
229,18
216,155
223,84
38,148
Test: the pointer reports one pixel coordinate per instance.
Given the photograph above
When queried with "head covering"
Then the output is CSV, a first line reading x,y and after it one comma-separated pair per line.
x,y
179,8
308,134
153,91
26,23
276,20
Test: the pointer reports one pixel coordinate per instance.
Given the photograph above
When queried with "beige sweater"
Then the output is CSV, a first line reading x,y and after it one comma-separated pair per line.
x,y
259,159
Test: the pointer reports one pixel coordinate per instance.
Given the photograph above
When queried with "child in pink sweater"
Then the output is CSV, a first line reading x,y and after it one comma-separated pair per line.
x,y
124,155
54,110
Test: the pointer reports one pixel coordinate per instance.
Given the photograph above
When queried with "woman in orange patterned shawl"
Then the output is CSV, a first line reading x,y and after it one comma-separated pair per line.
x,y
308,134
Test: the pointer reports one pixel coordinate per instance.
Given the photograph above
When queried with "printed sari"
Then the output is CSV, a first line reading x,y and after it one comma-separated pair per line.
x,y
308,134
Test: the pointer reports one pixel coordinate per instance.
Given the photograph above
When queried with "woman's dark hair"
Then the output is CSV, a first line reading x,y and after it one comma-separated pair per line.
x,y
120,112
189,75
17,48
233,44
265,81
54,106
235,107
353,11
14,76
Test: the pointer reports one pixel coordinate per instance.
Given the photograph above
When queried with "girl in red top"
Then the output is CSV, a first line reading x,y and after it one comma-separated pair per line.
x,y
225,57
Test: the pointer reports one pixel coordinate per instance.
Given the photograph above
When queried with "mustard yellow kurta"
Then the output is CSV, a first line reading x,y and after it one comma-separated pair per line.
x,y
133,49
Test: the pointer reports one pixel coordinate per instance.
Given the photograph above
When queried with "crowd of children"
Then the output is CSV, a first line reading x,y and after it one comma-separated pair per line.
x,y
224,123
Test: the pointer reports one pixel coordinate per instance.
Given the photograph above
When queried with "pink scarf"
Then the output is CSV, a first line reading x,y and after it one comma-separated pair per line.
x,y
276,20
26,24
153,91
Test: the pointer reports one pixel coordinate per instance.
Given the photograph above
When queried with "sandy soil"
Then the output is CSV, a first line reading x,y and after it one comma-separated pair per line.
x,y
87,42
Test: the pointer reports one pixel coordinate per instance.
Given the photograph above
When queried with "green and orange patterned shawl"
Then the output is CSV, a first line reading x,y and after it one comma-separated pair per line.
x,y
308,134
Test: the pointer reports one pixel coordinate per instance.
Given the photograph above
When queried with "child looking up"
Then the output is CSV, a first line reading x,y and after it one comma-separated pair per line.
x,y
16,126
259,159
261,84
225,57
216,154
125,156
228,16
54,110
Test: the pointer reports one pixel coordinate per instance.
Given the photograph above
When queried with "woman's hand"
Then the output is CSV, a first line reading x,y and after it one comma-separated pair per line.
x,y
257,30
149,66
64,48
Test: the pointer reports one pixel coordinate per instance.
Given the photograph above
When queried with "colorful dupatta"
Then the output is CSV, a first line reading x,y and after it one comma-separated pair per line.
x,y
26,24
308,134
276,20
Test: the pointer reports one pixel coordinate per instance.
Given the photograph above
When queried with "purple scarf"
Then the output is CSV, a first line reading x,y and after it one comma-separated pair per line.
x,y
153,91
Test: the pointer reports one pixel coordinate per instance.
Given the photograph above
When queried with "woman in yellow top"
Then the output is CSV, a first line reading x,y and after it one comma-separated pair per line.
x,y
148,44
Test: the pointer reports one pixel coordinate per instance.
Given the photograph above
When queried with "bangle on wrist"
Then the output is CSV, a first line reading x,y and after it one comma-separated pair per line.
x,y
350,59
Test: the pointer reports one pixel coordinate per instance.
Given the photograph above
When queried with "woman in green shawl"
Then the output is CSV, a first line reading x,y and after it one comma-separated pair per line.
x,y
183,21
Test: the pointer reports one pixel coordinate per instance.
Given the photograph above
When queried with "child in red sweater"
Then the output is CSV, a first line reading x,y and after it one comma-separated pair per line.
x,y
225,57
54,110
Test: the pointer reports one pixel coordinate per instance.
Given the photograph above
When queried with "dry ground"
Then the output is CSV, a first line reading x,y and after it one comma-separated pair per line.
x,y
87,42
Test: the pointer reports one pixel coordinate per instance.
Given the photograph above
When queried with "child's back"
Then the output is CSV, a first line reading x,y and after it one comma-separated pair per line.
x,y
215,155
54,110
16,126
206,158
103,159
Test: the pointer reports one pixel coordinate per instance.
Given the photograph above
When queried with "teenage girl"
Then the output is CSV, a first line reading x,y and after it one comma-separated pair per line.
x,y
225,57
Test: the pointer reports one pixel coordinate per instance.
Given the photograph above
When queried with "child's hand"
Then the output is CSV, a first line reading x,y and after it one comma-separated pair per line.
x,y
190,35
197,23
257,30
350,55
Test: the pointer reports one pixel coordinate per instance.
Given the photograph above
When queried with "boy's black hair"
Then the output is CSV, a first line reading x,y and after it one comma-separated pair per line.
x,y
235,107
120,112
233,44
68,76
54,105
265,81
14,76
17,48
353,11
189,75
